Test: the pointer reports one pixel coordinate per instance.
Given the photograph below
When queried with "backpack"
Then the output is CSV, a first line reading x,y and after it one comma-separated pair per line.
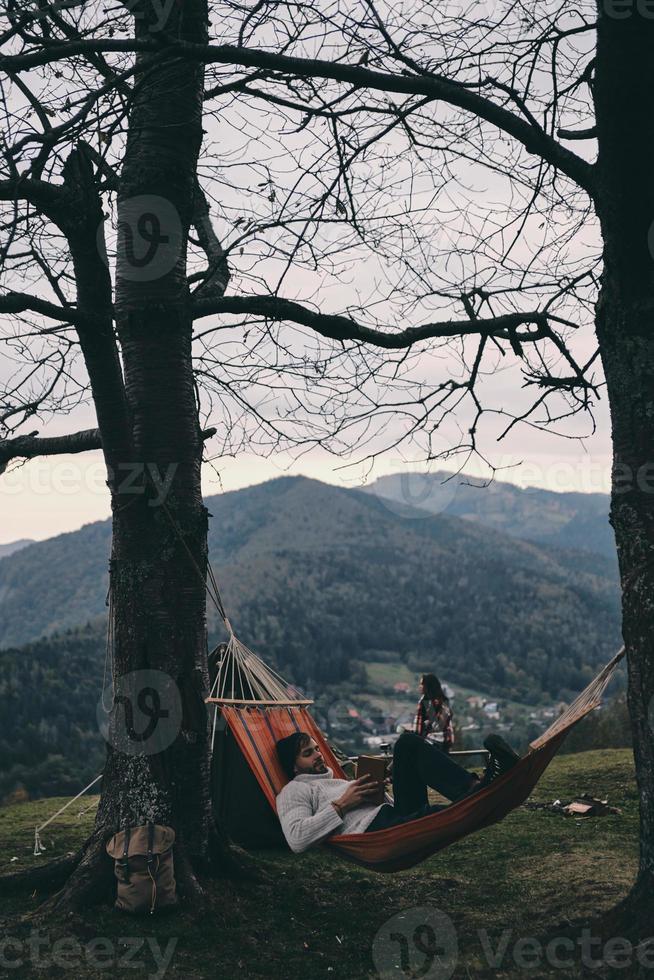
x,y
144,869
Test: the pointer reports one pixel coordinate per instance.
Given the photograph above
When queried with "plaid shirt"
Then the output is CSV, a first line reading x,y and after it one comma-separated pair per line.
x,y
434,717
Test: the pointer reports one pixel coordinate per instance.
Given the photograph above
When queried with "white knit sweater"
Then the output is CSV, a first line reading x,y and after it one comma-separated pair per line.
x,y
307,816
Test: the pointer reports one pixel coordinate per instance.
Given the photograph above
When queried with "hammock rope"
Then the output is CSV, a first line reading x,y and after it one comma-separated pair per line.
x,y
110,646
209,580
589,699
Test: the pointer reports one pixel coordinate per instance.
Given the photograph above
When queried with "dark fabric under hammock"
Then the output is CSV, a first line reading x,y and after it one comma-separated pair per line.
x,y
256,728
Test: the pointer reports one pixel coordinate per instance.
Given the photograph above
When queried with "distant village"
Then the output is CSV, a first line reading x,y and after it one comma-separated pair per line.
x,y
375,722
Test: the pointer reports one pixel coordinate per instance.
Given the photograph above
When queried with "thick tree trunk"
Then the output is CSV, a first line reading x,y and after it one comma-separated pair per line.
x,y
160,538
629,368
624,76
157,764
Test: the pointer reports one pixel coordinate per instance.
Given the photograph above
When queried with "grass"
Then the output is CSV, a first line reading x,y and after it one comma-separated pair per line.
x,y
64,834
385,675
537,874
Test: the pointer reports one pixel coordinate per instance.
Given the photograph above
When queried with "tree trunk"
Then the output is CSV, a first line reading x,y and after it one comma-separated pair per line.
x,y
624,75
157,764
159,551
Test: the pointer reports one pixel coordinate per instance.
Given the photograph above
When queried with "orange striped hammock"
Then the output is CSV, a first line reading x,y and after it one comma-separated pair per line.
x,y
256,728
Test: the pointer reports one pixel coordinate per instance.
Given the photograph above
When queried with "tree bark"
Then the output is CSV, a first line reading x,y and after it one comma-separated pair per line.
x,y
624,75
159,545
158,587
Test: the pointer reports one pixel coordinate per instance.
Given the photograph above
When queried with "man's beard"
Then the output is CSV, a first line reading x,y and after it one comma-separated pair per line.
x,y
320,766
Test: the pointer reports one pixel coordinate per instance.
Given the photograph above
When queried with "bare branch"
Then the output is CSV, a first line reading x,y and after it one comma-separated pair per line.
x,y
216,277
30,446
27,447
14,302
52,199
338,327
436,87
535,139
578,134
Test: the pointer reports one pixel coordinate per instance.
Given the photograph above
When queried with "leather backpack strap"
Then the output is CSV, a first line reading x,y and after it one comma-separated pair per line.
x,y
152,865
125,861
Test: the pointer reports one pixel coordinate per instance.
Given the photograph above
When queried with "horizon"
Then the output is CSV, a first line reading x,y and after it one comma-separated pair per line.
x,y
215,490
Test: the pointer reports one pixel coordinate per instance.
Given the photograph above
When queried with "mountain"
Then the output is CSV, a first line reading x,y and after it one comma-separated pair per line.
x,y
12,546
568,520
55,584
315,577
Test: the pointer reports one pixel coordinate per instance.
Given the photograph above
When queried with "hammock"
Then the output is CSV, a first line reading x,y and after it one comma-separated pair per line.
x,y
260,708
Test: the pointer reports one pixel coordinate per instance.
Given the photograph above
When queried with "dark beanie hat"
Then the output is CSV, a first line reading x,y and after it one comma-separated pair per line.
x,y
287,751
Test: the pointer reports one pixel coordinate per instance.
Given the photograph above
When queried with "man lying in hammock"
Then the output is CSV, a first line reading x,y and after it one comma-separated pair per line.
x,y
314,804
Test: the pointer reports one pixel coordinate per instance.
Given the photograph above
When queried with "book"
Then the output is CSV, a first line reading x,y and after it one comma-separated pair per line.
x,y
375,766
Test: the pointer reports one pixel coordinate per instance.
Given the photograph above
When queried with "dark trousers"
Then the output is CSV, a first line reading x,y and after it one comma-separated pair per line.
x,y
416,766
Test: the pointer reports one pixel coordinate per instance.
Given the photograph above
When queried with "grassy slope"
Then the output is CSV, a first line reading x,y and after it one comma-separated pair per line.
x,y
537,873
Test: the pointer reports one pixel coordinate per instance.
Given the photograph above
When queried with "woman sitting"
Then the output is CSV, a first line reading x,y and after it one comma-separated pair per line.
x,y
434,716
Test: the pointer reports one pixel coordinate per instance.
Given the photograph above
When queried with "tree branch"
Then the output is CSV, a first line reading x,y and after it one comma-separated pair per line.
x,y
578,134
14,302
27,447
94,300
52,199
535,139
216,278
30,446
339,327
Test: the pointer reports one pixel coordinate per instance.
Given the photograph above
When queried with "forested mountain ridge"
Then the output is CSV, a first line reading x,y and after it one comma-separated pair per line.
x,y
558,519
50,741
55,584
315,576
12,546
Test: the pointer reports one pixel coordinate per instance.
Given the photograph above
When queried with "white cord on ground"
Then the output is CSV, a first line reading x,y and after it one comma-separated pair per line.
x,y
38,845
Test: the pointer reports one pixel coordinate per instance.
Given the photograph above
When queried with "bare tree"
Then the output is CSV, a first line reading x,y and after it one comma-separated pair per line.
x,y
384,208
